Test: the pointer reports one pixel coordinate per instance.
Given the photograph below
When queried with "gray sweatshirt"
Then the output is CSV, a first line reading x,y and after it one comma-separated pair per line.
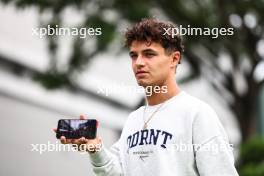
x,y
183,138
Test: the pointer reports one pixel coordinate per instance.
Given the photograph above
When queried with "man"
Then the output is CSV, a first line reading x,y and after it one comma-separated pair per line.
x,y
175,133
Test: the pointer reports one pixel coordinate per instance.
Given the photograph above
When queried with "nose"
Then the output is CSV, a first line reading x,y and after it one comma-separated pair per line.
x,y
140,61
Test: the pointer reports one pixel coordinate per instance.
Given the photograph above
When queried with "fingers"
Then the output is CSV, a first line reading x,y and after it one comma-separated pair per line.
x,y
79,141
82,117
83,144
55,130
99,139
63,140
82,139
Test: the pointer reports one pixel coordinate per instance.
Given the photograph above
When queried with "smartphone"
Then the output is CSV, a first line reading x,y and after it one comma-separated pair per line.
x,y
77,128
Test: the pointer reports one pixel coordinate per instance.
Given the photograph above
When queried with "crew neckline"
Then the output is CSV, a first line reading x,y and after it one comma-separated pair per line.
x,y
168,101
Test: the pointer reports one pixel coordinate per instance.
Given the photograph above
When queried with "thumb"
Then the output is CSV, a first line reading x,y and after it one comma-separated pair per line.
x,y
82,117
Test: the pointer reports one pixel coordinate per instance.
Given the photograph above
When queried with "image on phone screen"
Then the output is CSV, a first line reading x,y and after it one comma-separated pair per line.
x,y
76,128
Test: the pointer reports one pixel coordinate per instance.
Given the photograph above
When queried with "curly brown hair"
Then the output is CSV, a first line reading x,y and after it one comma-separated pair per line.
x,y
152,30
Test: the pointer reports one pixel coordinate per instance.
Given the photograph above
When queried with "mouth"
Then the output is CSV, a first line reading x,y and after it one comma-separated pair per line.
x,y
139,73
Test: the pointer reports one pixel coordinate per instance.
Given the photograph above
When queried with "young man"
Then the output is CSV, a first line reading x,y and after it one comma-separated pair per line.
x,y
175,133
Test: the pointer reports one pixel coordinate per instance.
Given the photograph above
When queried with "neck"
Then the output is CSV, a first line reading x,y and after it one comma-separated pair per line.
x,y
157,98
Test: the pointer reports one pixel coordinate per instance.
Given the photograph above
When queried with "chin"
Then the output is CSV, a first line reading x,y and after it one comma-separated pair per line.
x,y
143,83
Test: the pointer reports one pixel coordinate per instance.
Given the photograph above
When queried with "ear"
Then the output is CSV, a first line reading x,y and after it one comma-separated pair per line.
x,y
176,56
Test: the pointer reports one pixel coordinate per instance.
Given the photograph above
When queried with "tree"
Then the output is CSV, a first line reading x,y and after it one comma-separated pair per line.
x,y
202,52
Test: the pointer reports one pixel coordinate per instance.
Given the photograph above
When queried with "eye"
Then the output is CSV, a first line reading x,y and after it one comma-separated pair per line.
x,y
133,56
149,55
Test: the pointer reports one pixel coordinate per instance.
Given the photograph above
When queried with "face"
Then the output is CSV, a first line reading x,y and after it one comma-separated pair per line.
x,y
151,65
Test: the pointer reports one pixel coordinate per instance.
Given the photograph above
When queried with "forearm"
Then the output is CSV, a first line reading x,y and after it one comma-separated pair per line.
x,y
216,158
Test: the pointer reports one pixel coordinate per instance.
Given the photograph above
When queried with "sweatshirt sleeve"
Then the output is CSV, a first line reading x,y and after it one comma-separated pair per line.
x,y
107,162
213,153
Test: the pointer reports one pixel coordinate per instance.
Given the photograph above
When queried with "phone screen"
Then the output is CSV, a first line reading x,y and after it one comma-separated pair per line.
x,y
76,128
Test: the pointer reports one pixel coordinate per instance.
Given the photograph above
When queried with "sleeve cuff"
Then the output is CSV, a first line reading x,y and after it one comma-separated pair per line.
x,y
100,158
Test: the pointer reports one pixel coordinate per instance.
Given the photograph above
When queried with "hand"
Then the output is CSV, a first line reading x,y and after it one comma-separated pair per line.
x,y
90,145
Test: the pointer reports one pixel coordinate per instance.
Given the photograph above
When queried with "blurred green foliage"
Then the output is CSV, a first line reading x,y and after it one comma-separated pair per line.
x,y
252,157
52,80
